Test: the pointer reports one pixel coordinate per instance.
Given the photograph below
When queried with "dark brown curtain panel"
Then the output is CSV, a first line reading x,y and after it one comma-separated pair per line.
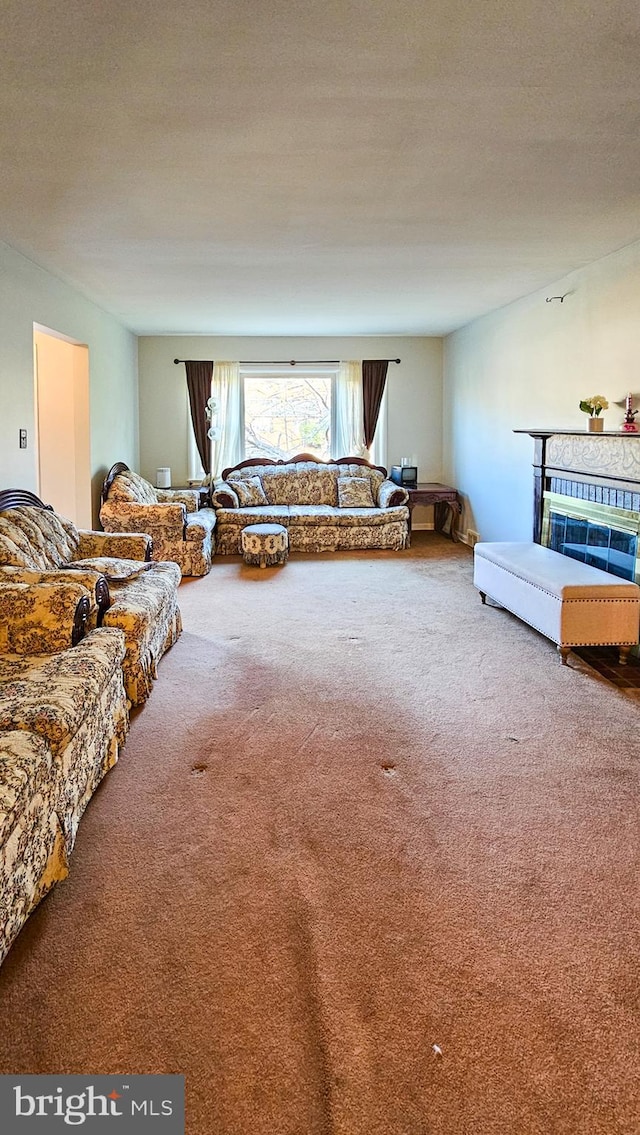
x,y
199,375
374,376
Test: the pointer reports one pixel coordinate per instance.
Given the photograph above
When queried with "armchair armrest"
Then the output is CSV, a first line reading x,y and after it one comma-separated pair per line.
x,y
391,495
91,579
42,618
190,498
118,546
223,496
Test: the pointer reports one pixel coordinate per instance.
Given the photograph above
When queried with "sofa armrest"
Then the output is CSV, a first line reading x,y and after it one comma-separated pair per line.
x,y
160,520
42,618
91,579
199,524
119,546
391,495
190,498
223,496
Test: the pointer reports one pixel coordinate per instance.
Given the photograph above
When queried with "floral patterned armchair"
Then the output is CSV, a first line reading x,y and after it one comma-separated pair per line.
x,y
63,720
127,590
180,529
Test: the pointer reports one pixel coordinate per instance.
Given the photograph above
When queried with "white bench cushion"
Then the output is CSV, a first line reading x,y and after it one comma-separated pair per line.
x,y
559,575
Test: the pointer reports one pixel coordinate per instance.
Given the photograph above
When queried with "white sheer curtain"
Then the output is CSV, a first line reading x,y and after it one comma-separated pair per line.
x,y
226,388
347,428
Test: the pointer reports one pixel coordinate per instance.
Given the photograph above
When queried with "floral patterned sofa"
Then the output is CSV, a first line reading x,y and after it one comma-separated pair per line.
x,y
329,506
134,594
180,529
63,720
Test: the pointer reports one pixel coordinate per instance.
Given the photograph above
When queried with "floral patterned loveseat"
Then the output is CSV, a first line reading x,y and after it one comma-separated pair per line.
x,y
63,720
325,506
127,590
180,529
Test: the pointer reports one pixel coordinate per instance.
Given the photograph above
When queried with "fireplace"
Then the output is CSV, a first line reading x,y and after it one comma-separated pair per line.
x,y
606,538
587,498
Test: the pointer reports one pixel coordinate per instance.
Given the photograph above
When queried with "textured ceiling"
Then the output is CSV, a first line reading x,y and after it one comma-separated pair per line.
x,y
304,168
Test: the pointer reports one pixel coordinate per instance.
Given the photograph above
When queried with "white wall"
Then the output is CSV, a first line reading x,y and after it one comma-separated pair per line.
x,y
30,295
414,391
528,365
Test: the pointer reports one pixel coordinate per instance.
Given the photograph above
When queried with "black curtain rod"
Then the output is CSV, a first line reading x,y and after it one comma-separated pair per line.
x,y
289,362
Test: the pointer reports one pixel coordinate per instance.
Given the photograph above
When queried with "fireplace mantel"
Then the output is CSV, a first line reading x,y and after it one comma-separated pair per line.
x,y
610,459
546,432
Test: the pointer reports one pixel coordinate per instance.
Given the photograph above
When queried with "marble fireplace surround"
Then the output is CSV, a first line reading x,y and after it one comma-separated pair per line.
x,y
597,473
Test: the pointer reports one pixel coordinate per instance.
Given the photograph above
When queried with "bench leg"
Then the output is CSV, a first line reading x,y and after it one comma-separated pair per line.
x,y
564,652
624,655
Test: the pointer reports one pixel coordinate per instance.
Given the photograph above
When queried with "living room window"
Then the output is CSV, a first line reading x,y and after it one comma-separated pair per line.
x,y
276,410
288,412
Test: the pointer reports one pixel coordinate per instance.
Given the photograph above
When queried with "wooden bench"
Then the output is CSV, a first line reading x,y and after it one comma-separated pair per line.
x,y
571,603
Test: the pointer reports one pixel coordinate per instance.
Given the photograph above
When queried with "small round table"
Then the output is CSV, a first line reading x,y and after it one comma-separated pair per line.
x,y
262,544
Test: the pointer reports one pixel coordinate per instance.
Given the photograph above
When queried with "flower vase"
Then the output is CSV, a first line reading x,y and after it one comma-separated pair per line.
x,y
595,425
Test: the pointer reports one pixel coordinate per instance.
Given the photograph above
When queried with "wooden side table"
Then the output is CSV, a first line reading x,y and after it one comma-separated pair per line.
x,y
446,505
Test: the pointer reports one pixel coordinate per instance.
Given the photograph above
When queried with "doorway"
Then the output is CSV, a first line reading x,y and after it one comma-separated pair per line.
x,y
62,424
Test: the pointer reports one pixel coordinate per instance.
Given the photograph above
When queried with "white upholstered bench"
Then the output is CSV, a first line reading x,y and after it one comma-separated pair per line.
x,y
571,603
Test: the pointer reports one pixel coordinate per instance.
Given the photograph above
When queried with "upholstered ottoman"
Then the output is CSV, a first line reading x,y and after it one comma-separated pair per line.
x,y
572,603
262,544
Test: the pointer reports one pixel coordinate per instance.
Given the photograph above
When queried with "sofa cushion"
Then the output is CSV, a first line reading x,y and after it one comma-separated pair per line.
x,y
250,492
355,492
312,514
263,514
371,517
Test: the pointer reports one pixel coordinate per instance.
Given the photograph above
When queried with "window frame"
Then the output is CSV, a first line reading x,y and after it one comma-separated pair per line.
x,y
299,372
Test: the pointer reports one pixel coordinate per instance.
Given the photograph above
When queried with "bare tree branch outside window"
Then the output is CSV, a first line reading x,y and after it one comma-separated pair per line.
x,y
285,416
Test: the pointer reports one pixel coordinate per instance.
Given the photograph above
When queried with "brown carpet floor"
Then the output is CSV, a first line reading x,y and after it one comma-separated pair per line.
x,y
360,816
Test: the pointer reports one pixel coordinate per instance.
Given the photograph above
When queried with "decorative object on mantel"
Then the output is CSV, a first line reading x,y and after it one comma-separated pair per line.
x,y
594,407
629,424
